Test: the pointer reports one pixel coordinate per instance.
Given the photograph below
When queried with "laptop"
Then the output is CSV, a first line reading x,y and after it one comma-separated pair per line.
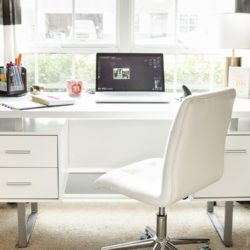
x,y
130,77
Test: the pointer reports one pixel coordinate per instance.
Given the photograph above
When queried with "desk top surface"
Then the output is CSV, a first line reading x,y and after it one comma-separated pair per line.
x,y
85,107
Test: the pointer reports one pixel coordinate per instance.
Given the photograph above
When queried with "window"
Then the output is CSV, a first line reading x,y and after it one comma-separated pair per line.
x,y
95,21
60,38
56,22
156,22
188,23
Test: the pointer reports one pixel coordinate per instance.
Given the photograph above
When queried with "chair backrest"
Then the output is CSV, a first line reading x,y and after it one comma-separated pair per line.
x,y
194,156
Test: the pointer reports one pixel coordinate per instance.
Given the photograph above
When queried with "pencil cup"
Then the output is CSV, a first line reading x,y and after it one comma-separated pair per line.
x,y
13,80
74,87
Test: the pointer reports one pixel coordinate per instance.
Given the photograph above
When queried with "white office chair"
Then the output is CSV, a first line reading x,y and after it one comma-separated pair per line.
x,y
193,159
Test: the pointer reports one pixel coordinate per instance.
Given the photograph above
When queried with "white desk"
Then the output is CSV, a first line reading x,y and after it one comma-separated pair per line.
x,y
85,107
86,138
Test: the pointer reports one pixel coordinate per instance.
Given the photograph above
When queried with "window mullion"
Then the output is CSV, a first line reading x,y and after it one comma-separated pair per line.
x,y
36,41
73,55
175,82
211,73
124,24
73,19
176,16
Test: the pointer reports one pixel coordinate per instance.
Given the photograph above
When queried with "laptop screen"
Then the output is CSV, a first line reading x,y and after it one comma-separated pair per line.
x,y
129,72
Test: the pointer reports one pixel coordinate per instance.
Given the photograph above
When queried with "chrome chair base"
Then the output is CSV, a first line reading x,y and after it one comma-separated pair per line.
x,y
158,239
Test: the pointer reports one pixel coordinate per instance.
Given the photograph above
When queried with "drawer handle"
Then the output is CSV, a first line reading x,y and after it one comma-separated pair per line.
x,y
16,152
19,183
235,151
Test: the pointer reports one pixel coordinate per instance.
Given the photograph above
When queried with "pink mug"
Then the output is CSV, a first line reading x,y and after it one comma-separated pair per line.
x,y
74,87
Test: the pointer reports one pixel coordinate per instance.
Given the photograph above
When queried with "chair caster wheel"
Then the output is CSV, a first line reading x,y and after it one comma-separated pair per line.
x,y
145,236
205,248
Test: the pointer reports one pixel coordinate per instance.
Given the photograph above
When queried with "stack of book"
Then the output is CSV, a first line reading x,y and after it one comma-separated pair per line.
x,y
52,100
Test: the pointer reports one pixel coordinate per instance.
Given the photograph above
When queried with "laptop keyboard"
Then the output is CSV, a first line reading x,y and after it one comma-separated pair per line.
x,y
130,96
129,93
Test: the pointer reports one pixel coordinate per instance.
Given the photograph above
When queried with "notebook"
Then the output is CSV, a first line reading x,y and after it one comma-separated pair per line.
x,y
37,101
130,77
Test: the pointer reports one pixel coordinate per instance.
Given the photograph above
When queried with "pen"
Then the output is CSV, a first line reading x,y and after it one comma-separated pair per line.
x,y
19,59
2,75
53,97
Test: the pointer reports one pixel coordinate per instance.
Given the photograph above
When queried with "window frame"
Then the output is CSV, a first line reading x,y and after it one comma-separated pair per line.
x,y
124,40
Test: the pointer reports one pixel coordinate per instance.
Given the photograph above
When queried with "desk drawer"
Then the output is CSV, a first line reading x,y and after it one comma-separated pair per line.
x,y
30,183
235,180
28,151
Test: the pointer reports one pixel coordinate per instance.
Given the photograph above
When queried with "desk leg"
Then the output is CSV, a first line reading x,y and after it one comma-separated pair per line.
x,y
225,232
25,226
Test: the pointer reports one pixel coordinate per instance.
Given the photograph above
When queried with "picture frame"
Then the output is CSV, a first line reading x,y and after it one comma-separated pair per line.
x,y
239,78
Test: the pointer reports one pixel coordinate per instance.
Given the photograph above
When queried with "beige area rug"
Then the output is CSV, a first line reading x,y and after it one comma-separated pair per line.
x,y
89,225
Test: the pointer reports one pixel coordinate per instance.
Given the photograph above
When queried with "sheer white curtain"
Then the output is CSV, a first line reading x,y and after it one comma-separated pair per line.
x,y
10,19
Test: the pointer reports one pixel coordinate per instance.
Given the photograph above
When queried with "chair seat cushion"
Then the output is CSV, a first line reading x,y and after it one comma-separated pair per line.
x,y
140,180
